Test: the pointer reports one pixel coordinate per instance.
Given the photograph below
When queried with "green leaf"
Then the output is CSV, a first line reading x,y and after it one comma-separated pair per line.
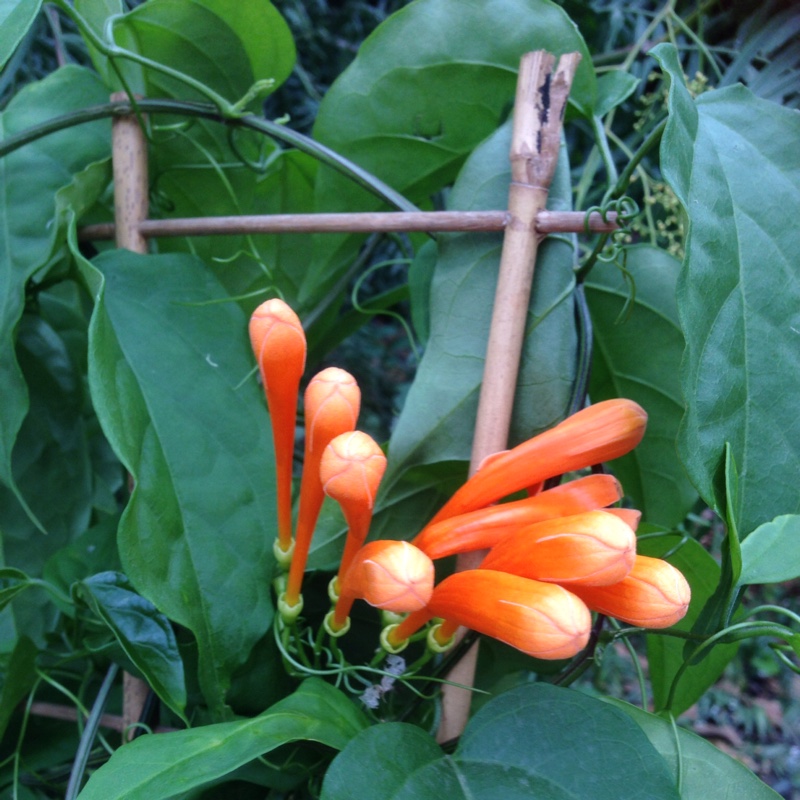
x,y
438,417
613,88
665,653
165,765
12,582
420,277
626,364
42,182
524,743
731,160
16,17
226,46
771,553
166,363
703,770
144,634
19,676
396,748
425,89
95,550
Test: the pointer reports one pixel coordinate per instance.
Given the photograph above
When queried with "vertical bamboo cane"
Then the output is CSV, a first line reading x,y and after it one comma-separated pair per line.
x,y
129,157
538,111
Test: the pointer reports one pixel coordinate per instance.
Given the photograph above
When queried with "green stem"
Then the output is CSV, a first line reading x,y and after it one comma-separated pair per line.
x,y
250,122
89,733
601,140
743,630
113,51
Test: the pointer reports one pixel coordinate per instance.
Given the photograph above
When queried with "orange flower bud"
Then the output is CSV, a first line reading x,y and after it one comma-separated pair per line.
x,y
591,549
653,595
484,528
543,620
332,402
599,433
391,575
279,344
351,470
630,516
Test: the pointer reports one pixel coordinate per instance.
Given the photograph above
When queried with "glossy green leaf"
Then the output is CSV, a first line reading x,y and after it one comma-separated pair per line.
x,y
226,46
41,183
16,17
378,761
730,158
167,365
521,744
438,417
18,678
771,553
144,634
93,551
425,89
626,364
166,765
703,770
613,88
665,653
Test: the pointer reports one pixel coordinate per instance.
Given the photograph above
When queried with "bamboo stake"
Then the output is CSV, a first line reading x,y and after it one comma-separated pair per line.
x,y
538,111
129,157
367,222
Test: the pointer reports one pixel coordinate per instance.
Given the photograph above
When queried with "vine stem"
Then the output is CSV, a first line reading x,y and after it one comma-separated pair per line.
x,y
248,121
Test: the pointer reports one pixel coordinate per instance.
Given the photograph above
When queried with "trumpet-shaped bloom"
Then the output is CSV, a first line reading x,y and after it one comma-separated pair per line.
x,y
332,402
541,619
653,595
599,433
592,549
351,470
279,344
390,575
484,528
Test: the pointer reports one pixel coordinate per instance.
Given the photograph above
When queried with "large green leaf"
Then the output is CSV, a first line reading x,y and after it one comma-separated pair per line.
x,y
166,765
16,16
426,87
41,183
731,159
666,654
627,364
166,363
703,770
144,634
226,46
438,417
523,744
771,554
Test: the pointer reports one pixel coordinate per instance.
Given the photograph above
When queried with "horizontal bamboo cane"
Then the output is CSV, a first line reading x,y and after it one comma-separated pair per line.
x,y
368,222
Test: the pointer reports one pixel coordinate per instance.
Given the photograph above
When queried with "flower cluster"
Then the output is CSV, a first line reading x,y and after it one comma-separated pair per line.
x,y
550,558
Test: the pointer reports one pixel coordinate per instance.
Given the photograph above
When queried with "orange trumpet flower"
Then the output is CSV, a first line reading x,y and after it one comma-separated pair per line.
x,y
653,595
591,549
543,620
351,470
332,402
484,528
279,344
599,433
390,575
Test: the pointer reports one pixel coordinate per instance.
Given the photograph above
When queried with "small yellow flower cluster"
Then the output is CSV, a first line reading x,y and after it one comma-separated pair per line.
x,y
552,557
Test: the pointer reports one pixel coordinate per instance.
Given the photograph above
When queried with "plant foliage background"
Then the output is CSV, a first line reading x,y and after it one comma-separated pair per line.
x,y
136,476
